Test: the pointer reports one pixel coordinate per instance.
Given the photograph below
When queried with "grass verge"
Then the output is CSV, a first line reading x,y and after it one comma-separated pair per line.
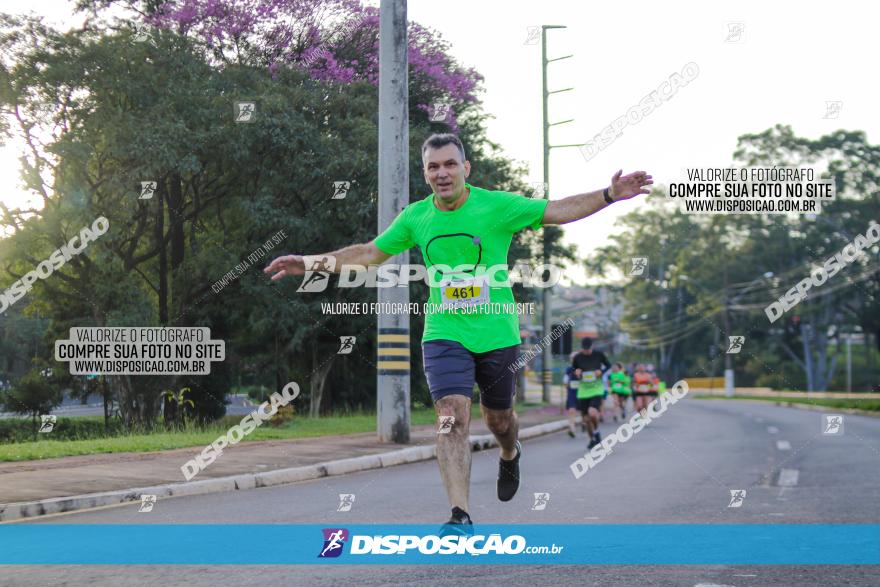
x,y
872,405
300,427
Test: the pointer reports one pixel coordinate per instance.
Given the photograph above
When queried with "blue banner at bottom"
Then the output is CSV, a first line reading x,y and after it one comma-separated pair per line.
x,y
610,544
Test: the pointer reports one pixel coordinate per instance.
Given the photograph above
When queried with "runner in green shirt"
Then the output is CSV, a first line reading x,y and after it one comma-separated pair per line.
x,y
470,335
620,387
590,365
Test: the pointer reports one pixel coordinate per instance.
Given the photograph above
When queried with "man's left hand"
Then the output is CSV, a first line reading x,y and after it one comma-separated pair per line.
x,y
624,187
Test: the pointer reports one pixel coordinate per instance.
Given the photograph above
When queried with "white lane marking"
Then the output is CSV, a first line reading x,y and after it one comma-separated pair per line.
x,y
776,514
783,445
788,477
712,585
759,421
772,429
745,575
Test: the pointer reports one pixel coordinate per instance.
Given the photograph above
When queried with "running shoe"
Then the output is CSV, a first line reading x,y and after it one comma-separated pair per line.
x,y
508,475
459,524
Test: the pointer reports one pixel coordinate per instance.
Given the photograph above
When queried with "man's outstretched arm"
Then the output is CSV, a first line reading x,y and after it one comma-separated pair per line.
x,y
582,205
361,254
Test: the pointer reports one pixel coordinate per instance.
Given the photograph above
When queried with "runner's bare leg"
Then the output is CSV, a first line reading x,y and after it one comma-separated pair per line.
x,y
572,419
504,424
454,449
592,421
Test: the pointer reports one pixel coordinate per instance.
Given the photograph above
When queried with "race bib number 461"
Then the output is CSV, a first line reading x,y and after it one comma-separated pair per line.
x,y
460,293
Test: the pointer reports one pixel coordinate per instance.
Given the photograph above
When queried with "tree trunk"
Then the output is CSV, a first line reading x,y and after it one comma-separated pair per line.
x,y
163,260
806,334
279,384
319,378
106,395
177,242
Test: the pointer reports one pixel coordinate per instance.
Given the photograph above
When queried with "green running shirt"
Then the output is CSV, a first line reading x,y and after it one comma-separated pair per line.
x,y
477,234
619,383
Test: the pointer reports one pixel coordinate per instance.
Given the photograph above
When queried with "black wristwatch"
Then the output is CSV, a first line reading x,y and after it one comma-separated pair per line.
x,y
607,196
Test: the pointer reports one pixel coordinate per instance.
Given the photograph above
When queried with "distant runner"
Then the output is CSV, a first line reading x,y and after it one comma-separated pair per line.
x,y
641,383
620,383
654,392
589,365
571,402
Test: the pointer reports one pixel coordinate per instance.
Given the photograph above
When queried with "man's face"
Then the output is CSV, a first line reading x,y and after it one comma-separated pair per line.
x,y
445,172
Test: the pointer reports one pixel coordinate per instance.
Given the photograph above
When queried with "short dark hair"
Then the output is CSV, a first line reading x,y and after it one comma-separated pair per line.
x,y
435,141
586,343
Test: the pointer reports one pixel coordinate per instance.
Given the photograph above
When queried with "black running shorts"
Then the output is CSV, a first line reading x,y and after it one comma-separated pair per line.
x,y
451,369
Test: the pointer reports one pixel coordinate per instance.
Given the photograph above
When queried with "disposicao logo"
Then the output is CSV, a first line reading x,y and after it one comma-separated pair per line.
x,y
334,540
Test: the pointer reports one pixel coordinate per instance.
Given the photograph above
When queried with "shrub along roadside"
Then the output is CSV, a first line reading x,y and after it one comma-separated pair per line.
x,y
19,430
51,446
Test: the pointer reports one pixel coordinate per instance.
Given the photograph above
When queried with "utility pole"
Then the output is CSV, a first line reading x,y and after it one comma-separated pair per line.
x,y
848,361
728,360
728,302
393,350
546,309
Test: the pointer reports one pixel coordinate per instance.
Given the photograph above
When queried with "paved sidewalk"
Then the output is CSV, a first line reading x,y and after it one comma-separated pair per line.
x,y
29,481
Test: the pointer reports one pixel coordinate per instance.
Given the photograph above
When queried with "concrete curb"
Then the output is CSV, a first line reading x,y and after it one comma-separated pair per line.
x,y
57,505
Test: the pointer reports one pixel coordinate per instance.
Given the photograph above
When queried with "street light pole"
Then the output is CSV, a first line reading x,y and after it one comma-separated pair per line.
x,y
392,340
728,360
848,361
546,309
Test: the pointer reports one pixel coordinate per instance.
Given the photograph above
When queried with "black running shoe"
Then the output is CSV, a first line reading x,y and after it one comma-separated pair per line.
x,y
593,442
459,524
571,432
598,437
508,475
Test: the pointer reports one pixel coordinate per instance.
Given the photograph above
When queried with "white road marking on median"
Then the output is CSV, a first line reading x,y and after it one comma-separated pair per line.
x,y
788,477
776,514
712,585
783,445
745,575
772,429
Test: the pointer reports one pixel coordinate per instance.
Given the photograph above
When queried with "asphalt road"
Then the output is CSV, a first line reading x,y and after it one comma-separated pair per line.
x,y
680,469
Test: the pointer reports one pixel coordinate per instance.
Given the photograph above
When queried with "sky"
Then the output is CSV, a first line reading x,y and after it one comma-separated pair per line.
x,y
787,62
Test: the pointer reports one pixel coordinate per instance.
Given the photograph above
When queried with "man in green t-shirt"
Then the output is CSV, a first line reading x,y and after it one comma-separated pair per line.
x,y
620,388
590,365
464,233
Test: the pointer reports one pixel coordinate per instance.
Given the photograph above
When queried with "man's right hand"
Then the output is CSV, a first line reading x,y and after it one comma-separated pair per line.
x,y
286,265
